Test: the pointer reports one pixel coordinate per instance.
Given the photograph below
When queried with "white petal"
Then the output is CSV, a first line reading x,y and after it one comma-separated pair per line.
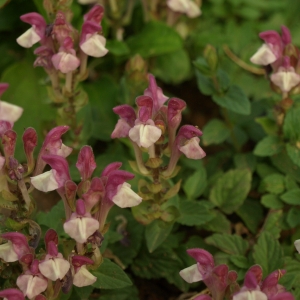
x,y
7,252
55,268
145,135
250,295
263,56
178,5
191,274
193,10
285,80
296,243
65,62
87,1
45,182
28,38
94,46
64,151
126,197
81,228
31,285
83,277
192,149
10,112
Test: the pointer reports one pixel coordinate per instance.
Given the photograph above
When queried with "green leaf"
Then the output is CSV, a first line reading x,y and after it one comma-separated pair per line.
x,y
156,233
117,48
268,253
268,125
110,276
205,84
292,277
27,91
294,153
291,197
83,292
291,125
292,217
269,146
245,161
231,244
273,184
251,213
127,293
215,132
223,80
173,67
273,223
194,213
235,100
240,261
219,223
271,201
230,190
154,39
3,2
195,185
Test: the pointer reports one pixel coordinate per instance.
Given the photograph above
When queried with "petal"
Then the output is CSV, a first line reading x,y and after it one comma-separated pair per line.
x,y
145,135
192,149
28,38
94,46
65,62
297,245
178,5
10,112
83,277
191,274
55,268
285,80
31,285
81,228
263,56
126,197
7,252
250,295
45,182
121,130
193,10
64,151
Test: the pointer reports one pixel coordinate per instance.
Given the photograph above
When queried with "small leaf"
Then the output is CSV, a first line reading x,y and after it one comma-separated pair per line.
x,y
273,183
273,222
215,132
292,217
268,253
156,233
194,213
230,190
294,153
205,84
291,125
219,223
195,185
231,244
235,100
268,125
110,276
117,48
271,201
240,261
269,146
292,277
291,197
245,161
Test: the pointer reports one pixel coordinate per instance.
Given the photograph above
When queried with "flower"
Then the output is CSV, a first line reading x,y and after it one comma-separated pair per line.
x,y
82,276
86,162
12,294
188,7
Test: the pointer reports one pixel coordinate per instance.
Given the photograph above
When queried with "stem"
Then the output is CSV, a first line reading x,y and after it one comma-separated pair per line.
x,y
80,248
139,159
67,208
83,65
68,83
24,191
127,17
151,151
145,10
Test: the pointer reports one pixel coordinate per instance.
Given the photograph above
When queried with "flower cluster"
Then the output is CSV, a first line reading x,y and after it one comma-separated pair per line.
x,y
222,283
62,48
282,56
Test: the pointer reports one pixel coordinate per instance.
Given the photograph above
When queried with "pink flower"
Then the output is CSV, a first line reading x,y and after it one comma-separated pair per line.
x,y
95,14
86,162
30,142
36,33
188,7
81,225
82,276
12,294
65,60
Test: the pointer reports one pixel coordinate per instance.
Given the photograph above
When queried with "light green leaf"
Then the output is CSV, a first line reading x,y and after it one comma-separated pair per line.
x,y
268,125
110,276
291,125
273,223
268,253
271,201
235,100
154,39
195,185
230,190
205,84
231,244
292,277
269,146
240,261
294,153
291,197
292,217
194,213
273,184
117,48
215,132
219,223
156,232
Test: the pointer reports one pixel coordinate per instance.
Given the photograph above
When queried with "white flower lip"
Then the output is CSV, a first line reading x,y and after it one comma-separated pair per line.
x,y
45,182
191,274
83,277
94,45
263,56
145,135
7,252
126,197
28,38
54,268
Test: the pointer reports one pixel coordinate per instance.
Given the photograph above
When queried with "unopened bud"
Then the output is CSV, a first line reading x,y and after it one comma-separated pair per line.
x,y
210,54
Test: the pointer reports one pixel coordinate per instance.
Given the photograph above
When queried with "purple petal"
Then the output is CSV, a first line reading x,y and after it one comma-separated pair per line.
x,y
95,14
3,88
12,294
86,162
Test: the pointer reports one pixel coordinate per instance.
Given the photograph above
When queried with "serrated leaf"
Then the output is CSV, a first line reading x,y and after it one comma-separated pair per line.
x,y
273,184
155,38
294,153
268,253
231,244
156,232
268,146
219,223
215,132
193,213
273,223
271,201
291,197
110,276
292,277
235,100
251,212
195,185
240,261
292,217
230,190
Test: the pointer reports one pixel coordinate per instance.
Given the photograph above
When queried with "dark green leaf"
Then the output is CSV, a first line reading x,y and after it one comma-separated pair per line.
x,y
219,223
240,261
195,185
292,217
294,154
245,161
291,125
292,277
273,223
268,125
273,184
215,132
127,293
205,84
269,146
268,253
230,190
291,197
271,201
235,100
110,276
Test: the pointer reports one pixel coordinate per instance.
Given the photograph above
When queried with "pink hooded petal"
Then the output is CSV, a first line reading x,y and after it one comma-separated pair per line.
x,y
270,284
271,37
12,294
111,167
201,256
94,194
30,142
256,270
126,112
19,241
4,126
80,260
36,20
51,236
145,102
283,296
3,88
175,107
285,35
9,140
86,162
121,130
95,14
